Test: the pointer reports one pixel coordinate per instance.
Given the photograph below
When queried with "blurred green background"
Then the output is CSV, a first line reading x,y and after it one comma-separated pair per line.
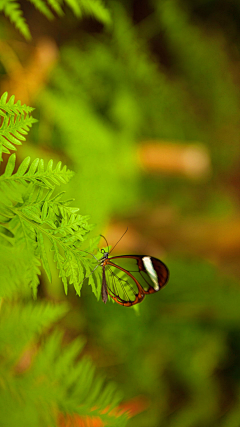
x,y
146,112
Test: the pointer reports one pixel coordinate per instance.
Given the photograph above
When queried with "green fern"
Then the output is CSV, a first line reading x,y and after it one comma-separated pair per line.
x,y
38,315
41,215
13,274
36,174
10,107
56,6
12,10
85,392
16,121
80,8
30,213
54,381
43,8
93,8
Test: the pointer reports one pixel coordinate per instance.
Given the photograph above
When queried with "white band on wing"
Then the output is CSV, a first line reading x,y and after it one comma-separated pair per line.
x,y
151,272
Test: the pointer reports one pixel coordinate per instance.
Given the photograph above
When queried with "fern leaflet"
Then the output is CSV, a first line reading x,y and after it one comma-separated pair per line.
x,y
41,215
11,10
95,8
11,184
9,107
16,121
30,213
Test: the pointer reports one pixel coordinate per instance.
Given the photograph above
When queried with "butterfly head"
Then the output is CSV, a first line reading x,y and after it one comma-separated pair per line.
x,y
104,256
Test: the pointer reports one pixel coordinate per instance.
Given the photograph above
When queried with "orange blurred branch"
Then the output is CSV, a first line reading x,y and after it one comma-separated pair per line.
x,y
131,408
192,160
25,81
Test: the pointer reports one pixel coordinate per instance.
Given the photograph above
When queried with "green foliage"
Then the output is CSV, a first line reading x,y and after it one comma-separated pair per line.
x,y
11,10
203,64
15,123
13,273
34,174
115,88
80,8
39,380
30,213
106,93
200,60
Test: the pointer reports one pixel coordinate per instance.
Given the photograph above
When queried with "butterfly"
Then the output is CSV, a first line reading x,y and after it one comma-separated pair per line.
x,y
127,279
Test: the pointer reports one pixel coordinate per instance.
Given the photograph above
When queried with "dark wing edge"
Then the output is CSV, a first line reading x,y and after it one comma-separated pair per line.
x,y
159,267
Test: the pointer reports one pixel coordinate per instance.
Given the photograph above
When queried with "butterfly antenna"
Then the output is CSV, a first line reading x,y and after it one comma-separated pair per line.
x,y
88,254
118,240
105,241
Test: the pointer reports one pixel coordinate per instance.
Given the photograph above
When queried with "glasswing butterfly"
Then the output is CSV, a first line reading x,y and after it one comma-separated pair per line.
x,y
127,279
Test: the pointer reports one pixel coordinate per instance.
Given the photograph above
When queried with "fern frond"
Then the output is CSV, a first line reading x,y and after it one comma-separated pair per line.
x,y
11,10
12,131
86,394
33,270
15,329
34,173
42,216
94,280
43,255
13,274
30,213
56,6
59,259
26,237
16,122
13,108
53,381
93,8
5,236
43,8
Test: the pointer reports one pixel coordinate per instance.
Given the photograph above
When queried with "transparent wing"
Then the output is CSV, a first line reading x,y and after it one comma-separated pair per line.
x,y
150,273
122,286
